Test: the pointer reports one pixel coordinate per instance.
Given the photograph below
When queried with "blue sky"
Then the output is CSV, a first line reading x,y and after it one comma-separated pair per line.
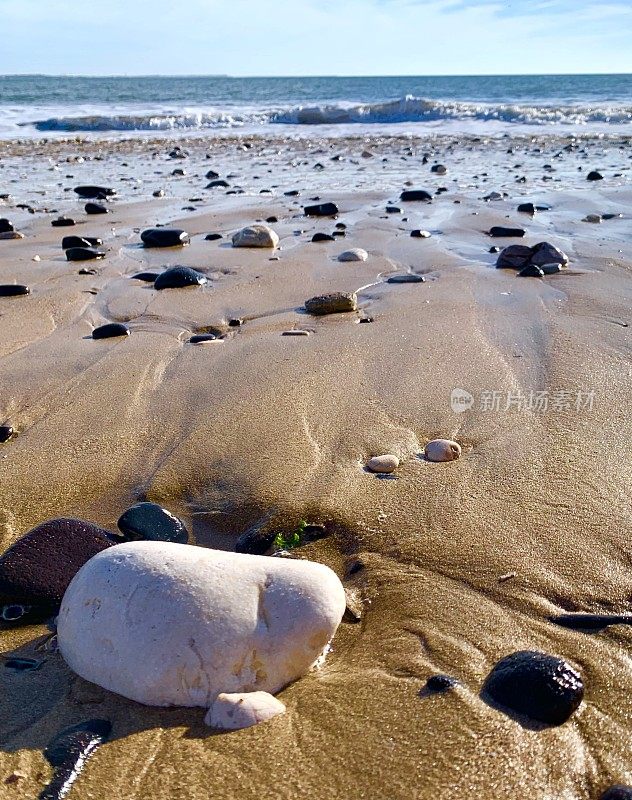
x,y
315,37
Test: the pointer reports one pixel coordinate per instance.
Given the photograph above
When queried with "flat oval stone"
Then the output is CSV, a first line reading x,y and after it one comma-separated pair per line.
x,y
197,622
594,218
416,195
332,303
96,208
442,450
147,277
440,683
407,277
38,567
179,278
393,210
540,686
323,237
13,289
220,184
203,338
419,234
152,522
385,464
6,235
255,236
321,210
501,231
355,254
232,712
531,271
80,241
83,254
213,237
110,330
94,192
295,332
63,222
165,237
551,269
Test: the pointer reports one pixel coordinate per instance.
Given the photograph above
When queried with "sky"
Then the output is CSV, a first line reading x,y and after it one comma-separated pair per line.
x,y
315,37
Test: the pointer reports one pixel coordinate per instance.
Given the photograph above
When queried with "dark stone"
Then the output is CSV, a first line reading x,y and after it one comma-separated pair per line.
x,y
6,432
419,234
540,686
321,210
87,271
527,208
617,792
218,184
6,226
22,664
164,237
147,277
500,231
292,193
96,208
341,226
83,253
551,269
531,271
151,522
591,622
393,210
546,253
408,277
212,237
339,233
255,542
13,289
94,192
38,567
179,277
272,219
68,752
80,241
494,249
594,176
516,256
63,222
332,303
440,683
612,216
110,330
200,338
439,169
158,193
323,237
415,195
211,175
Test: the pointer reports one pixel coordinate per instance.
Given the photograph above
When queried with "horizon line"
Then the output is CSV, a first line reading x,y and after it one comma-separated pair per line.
x,y
241,77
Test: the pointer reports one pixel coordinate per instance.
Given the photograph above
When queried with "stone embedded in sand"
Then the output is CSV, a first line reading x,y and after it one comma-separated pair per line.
x,y
323,237
546,253
158,193
7,235
13,289
6,226
94,192
255,236
151,522
617,792
96,208
526,208
355,254
146,277
540,686
531,271
80,241
321,210
419,234
500,231
179,278
442,450
38,567
220,184
63,222
172,624
384,464
6,433
438,169
594,218
110,330
406,277
164,237
415,195
83,253
332,303
594,176
205,338
213,237
440,683
232,712
255,541
516,256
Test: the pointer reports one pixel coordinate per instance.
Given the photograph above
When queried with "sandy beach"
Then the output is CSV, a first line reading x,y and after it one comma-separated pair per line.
x,y
453,565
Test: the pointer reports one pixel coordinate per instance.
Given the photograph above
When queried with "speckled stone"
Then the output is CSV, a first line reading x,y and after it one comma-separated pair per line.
x,y
383,464
152,522
333,303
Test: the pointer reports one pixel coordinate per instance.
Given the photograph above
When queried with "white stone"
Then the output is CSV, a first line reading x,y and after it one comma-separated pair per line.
x,y
173,624
355,254
231,712
255,236
442,450
386,463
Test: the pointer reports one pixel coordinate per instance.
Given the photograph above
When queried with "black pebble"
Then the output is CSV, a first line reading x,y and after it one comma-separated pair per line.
x,y
235,323
440,683
531,271
393,210
218,184
63,222
551,269
94,192
6,226
80,241
415,195
321,210
406,278
151,522
494,249
617,792
148,277
110,330
6,432
212,237
83,253
22,664
96,208
272,219
179,277
13,289
164,237
537,685
292,193
594,176
418,234
255,542
526,208
322,237
501,231
87,271
203,337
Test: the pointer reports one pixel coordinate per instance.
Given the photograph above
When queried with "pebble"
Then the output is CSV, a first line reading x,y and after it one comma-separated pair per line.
x,y
80,241
11,235
13,289
438,169
383,464
332,303
255,236
415,195
551,269
96,208
323,237
110,330
87,271
39,566
197,622
213,237
147,277
594,176
540,686
407,277
179,277
204,338
596,218
83,253
617,792
152,522
295,332
355,254
232,712
6,226
546,253
500,231
531,271
63,222
393,210
164,237
6,433
220,184
94,192
527,208
158,193
419,234
440,683
442,450
211,175
321,210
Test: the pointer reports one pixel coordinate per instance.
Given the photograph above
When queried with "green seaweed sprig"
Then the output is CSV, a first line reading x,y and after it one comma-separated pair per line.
x,y
287,541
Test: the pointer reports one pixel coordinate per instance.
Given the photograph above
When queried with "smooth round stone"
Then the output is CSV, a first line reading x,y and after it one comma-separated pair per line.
x,y
526,208
321,210
438,169
110,330
13,289
419,234
540,686
63,222
80,241
323,237
415,196
6,226
440,683
531,271
152,522
95,208
442,450
617,792
516,256
94,192
255,236
146,277
551,269
83,254
213,237
355,254
255,542
6,433
204,338
501,231
179,278
164,237
393,210
38,567
385,464
232,712
172,624
332,303
407,277
220,184
594,176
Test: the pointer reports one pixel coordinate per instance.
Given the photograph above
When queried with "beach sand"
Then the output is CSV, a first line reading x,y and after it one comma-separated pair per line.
x,y
462,562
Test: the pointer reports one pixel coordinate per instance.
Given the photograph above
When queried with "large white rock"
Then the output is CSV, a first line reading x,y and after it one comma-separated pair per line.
x,y
231,712
172,624
255,236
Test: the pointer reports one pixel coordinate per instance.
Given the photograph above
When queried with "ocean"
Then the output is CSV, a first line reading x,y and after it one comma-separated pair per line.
x,y
38,105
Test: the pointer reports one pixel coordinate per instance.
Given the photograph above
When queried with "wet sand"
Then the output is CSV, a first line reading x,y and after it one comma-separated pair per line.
x,y
264,429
